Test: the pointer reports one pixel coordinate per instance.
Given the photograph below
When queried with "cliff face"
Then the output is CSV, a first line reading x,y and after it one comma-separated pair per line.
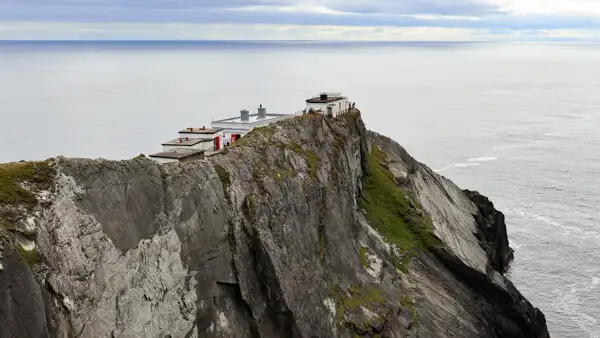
x,y
312,227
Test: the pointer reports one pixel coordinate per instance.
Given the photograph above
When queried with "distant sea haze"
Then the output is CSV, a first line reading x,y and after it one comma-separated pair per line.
x,y
517,122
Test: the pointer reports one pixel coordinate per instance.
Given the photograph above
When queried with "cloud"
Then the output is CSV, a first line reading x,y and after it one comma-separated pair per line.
x,y
190,31
468,15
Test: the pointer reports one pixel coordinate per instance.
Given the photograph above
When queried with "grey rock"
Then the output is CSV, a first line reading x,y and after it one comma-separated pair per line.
x,y
21,303
263,240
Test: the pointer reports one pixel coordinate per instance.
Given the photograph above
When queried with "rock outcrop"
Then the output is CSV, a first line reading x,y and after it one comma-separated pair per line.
x,y
311,227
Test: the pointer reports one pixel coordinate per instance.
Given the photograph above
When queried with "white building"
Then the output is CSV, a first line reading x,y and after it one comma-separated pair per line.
x,y
330,104
236,127
178,155
215,135
191,143
202,133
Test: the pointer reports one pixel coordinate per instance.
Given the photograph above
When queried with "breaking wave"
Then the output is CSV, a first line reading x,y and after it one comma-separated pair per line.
x,y
470,163
456,165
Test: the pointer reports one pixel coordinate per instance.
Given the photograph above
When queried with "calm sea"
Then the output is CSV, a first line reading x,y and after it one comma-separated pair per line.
x,y
520,123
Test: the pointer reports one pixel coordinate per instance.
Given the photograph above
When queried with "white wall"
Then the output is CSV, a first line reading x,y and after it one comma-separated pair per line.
x,y
244,128
201,145
339,107
201,136
233,127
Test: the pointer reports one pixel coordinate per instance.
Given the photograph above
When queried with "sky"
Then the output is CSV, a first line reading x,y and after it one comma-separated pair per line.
x,y
359,20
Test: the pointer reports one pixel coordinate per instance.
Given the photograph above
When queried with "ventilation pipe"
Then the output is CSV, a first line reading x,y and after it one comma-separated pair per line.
x,y
262,112
245,115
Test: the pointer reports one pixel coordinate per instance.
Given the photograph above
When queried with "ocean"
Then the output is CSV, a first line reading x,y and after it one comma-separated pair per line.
x,y
518,122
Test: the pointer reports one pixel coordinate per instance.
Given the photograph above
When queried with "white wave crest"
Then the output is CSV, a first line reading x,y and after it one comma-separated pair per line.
x,y
456,165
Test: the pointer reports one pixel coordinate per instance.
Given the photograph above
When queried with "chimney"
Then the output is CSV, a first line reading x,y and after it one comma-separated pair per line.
x,y
179,140
323,96
262,112
186,138
203,127
245,115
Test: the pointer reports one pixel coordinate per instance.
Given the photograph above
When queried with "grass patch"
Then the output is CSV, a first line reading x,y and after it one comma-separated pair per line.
x,y
266,130
313,163
296,148
355,297
402,262
249,207
38,175
19,183
247,139
407,302
31,258
281,174
363,257
224,176
389,210
338,144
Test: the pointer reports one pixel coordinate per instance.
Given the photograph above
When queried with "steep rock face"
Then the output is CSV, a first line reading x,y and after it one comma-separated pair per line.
x,y
267,240
475,249
21,303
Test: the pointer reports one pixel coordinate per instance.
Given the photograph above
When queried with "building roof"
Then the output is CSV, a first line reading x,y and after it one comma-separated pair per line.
x,y
252,118
202,130
186,143
178,154
325,98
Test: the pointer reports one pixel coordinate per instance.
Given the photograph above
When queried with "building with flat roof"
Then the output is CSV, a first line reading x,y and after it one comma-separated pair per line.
x,y
236,127
190,143
330,104
178,155
201,133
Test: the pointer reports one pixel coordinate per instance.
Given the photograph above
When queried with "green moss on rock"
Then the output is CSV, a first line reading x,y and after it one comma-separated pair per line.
x,y
408,303
363,257
224,176
249,207
19,184
402,262
280,175
14,176
31,258
296,148
354,298
313,163
389,210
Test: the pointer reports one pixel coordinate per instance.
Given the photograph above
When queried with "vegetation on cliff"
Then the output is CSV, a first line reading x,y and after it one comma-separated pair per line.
x,y
391,211
19,183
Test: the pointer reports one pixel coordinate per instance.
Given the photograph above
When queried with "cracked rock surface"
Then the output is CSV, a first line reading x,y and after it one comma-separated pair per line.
x,y
264,240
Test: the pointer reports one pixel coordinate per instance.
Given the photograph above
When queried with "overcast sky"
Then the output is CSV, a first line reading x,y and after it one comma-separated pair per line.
x,y
424,20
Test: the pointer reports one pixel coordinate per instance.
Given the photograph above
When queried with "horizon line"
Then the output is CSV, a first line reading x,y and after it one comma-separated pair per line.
x,y
550,40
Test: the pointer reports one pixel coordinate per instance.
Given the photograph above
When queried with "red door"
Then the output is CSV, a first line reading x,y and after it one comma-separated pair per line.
x,y
217,142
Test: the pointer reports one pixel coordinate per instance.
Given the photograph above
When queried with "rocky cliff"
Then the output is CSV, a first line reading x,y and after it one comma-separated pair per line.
x,y
311,227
